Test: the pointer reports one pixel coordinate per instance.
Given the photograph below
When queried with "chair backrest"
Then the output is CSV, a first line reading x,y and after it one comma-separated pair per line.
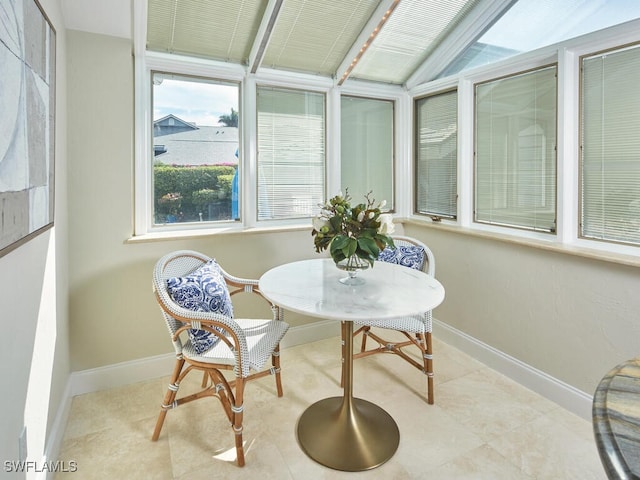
x,y
174,264
429,261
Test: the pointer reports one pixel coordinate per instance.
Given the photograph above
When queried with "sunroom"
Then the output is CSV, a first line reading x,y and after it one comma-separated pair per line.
x,y
501,133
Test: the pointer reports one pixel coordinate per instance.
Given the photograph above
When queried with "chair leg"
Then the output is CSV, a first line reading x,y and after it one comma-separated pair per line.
x,y
365,332
169,398
428,366
237,409
275,361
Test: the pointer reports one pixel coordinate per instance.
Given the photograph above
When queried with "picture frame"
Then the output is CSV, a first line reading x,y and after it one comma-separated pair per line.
x,y
27,123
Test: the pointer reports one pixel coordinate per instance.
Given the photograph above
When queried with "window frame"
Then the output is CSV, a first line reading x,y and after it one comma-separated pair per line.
x,y
582,237
434,216
143,171
509,172
566,55
149,62
391,201
324,93
402,111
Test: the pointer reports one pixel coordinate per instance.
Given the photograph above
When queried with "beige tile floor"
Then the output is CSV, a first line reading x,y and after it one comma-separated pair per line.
x,y
482,426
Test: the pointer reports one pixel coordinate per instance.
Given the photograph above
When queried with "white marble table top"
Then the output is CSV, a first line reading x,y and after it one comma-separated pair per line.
x,y
312,287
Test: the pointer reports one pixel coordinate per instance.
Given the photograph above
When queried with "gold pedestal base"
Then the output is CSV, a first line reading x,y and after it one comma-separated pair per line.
x,y
348,434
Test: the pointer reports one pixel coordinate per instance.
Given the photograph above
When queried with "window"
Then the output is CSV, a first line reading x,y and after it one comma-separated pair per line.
x,y
610,161
531,24
436,150
291,152
515,151
195,149
367,145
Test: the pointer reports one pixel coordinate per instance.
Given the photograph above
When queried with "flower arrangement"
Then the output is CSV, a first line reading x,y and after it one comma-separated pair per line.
x,y
352,232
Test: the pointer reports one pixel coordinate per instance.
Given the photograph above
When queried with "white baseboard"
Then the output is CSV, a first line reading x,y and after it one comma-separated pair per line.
x,y
126,373
54,440
555,390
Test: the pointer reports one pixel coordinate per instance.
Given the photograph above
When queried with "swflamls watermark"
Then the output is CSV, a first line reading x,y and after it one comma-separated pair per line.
x,y
58,466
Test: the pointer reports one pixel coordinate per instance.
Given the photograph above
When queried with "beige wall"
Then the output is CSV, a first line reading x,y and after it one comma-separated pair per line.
x,y
114,317
571,317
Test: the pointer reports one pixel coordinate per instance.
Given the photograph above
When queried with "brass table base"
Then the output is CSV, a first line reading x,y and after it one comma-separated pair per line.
x,y
348,434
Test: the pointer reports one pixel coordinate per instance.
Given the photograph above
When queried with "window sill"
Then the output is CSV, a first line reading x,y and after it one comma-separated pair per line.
x,y
203,233
580,251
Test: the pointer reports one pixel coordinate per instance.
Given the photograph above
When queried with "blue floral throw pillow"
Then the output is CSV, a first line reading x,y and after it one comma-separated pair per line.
x,y
204,290
412,256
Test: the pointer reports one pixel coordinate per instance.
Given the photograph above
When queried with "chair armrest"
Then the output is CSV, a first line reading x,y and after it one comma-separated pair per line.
x,y
249,285
205,321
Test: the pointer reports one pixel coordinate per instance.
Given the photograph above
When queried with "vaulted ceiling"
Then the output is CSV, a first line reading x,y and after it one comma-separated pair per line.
x,y
402,42
377,40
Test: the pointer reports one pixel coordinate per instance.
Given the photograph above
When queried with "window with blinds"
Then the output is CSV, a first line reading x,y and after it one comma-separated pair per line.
x,y
291,152
610,137
367,148
515,151
436,147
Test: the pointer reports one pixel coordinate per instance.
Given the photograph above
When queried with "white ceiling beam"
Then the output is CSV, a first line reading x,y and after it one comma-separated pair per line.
x,y
470,28
263,36
366,32
139,27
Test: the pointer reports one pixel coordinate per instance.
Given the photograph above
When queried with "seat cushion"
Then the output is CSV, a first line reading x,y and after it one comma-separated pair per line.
x,y
412,256
262,336
203,290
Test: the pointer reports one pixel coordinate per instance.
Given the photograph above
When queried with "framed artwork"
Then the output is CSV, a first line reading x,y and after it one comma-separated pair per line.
x,y
27,121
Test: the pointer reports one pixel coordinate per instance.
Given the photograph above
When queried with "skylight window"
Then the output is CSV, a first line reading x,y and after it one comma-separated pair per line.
x,y
532,24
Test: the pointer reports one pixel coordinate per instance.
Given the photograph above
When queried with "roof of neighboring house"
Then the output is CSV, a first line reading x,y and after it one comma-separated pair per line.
x,y
177,120
203,146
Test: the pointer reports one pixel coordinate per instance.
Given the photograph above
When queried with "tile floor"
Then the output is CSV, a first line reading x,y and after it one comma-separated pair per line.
x,y
482,426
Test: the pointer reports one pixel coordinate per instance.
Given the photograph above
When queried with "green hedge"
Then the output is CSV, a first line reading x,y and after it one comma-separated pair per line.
x,y
185,181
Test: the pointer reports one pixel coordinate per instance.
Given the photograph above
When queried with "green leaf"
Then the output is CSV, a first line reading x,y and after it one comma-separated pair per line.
x,y
339,242
369,246
351,247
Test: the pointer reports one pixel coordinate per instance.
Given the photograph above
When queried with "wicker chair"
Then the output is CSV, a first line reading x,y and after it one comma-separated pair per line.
x,y
417,329
241,345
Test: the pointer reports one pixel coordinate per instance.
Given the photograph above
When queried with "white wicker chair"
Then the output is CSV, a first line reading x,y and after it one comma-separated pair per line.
x,y
417,329
244,346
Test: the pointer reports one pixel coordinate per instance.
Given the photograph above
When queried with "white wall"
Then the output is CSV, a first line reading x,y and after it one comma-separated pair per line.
x,y
34,362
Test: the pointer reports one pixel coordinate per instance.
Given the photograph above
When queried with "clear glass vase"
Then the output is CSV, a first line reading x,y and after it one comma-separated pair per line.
x,y
352,265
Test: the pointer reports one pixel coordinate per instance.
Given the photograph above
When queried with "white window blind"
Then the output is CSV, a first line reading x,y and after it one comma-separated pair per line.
x,y
367,148
515,151
610,168
437,154
291,152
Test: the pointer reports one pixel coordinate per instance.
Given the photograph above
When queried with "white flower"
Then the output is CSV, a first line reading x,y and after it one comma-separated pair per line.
x,y
319,222
361,216
386,224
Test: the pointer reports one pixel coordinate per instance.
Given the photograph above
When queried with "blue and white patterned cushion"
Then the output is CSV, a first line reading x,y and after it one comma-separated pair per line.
x,y
412,256
204,290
